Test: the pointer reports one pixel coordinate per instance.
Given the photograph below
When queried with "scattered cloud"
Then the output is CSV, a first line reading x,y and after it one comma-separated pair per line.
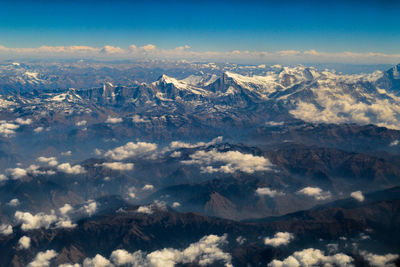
x,y
176,205
66,153
3,178
394,143
7,129
113,120
131,149
17,173
279,239
39,220
51,161
64,210
6,229
357,195
119,166
23,122
43,259
90,208
148,187
38,129
139,119
149,209
315,192
313,257
67,168
24,242
97,261
228,162
266,191
81,123
375,260
13,202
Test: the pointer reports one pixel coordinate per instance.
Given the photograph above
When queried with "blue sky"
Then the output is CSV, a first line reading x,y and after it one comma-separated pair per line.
x,y
330,26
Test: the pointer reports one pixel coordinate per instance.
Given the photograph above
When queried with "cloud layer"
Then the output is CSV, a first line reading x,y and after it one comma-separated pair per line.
x,y
150,51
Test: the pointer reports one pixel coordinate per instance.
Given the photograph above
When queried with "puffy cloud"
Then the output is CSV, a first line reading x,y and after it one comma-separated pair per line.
x,y
113,120
23,122
17,173
36,221
69,265
149,209
380,260
108,49
6,229
90,208
3,178
148,187
357,195
38,129
120,166
279,239
228,162
315,192
266,191
7,129
97,261
13,202
176,205
313,257
131,149
51,161
64,210
122,257
138,119
43,259
24,242
81,123
67,168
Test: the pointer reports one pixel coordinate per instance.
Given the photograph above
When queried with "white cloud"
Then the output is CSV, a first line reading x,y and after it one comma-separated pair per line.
x,y
113,120
122,257
150,51
120,166
24,242
138,119
176,154
81,123
3,178
313,257
148,187
315,192
178,144
176,205
38,129
266,191
69,265
51,161
13,202
23,122
67,168
357,195
66,153
43,259
394,143
149,209
97,261
64,210
380,260
6,229
17,173
228,162
279,239
131,149
7,129
36,221
90,208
